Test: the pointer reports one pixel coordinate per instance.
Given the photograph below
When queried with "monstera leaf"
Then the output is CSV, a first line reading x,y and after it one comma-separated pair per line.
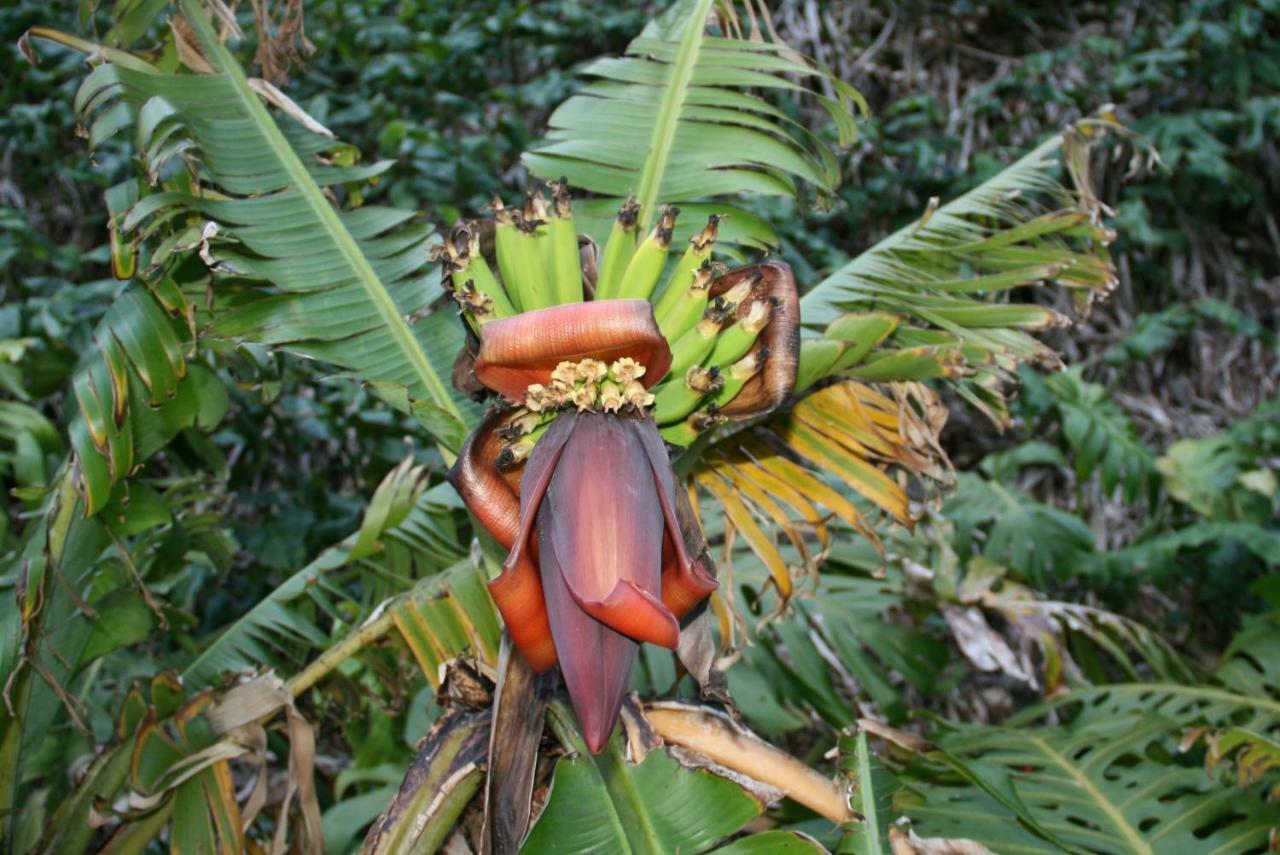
x,y
1118,776
1114,785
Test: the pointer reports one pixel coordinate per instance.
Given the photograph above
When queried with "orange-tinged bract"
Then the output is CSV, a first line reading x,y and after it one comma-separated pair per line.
x,y
519,352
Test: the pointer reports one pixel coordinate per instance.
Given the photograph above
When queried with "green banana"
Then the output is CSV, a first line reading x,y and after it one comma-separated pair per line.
x,y
693,347
564,269
682,314
734,342
458,255
519,259
519,450
685,433
533,224
522,423
676,399
698,253
650,259
737,376
472,266
475,306
510,259
618,250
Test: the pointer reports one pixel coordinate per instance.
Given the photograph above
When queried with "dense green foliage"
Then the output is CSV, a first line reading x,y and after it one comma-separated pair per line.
x,y
1125,528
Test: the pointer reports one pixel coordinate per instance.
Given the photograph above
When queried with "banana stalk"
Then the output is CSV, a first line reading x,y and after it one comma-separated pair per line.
x,y
618,250
675,400
698,253
650,259
565,268
733,343
683,313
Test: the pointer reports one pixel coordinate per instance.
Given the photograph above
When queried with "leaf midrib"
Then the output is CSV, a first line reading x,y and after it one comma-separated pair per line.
x,y
302,182
668,117
1132,837
867,796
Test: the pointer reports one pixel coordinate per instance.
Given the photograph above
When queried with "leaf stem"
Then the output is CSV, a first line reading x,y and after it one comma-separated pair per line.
x,y
371,631
664,131
714,736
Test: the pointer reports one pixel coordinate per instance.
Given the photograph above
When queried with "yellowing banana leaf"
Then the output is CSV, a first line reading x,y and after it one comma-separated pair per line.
x,y
788,474
447,616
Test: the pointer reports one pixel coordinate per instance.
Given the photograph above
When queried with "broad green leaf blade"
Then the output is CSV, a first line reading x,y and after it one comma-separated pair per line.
x,y
316,211
605,804
344,286
984,231
871,794
772,843
678,119
949,273
277,626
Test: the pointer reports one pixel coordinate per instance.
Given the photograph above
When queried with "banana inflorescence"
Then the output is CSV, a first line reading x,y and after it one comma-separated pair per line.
x,y
714,320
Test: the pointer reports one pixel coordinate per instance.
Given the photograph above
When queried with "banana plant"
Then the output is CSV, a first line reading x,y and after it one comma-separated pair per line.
x,y
607,344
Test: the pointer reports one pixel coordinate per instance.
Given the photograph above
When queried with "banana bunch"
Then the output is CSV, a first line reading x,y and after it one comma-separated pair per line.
x,y
713,319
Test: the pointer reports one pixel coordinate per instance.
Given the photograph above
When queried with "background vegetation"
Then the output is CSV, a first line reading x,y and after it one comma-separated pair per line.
x,y
1125,527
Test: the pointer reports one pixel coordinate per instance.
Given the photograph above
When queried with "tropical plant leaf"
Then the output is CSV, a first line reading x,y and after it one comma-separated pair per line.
x,y
1244,691
1031,623
441,621
677,120
171,758
278,628
137,389
868,629
946,276
655,805
1256,756
872,789
769,480
772,843
344,284
1115,777
1113,786
1101,437
1036,540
